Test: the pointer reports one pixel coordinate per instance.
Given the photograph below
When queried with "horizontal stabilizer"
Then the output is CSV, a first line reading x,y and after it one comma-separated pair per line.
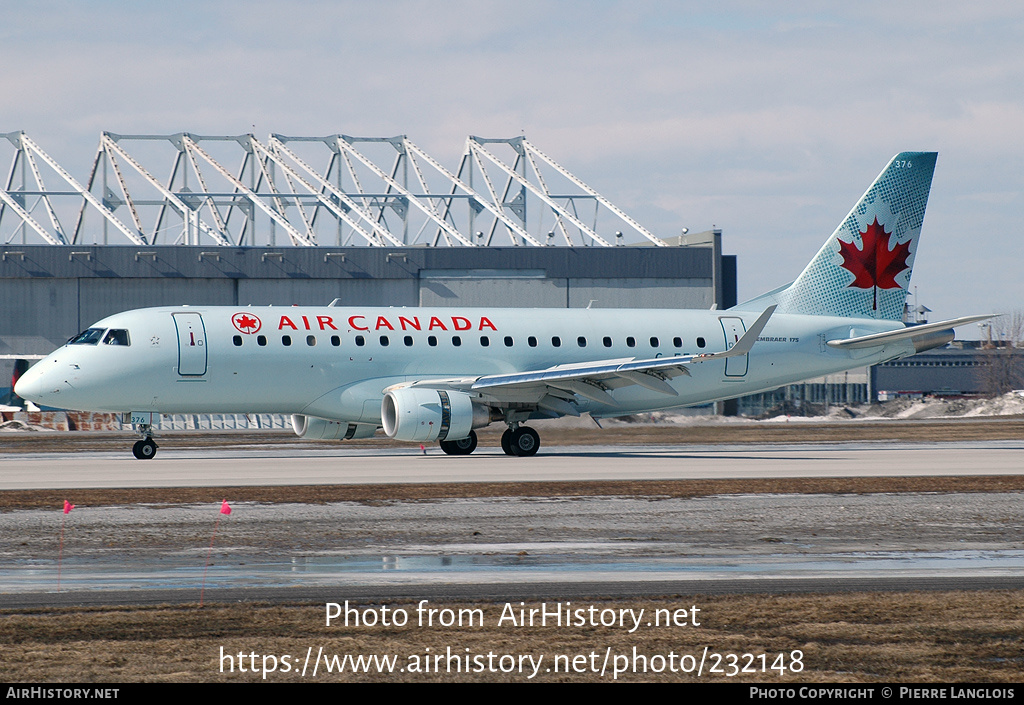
x,y
876,339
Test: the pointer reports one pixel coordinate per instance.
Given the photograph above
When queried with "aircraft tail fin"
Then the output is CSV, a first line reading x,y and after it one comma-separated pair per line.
x,y
863,269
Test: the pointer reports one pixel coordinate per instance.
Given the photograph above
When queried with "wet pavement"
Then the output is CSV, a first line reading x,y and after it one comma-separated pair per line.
x,y
515,540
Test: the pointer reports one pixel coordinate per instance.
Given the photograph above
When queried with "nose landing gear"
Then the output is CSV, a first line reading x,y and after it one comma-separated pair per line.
x,y
146,448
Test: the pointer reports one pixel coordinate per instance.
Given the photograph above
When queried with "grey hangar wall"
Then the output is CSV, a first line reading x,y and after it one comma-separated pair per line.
x,y
49,293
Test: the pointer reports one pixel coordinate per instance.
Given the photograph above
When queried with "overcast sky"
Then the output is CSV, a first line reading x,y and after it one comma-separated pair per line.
x,y
768,123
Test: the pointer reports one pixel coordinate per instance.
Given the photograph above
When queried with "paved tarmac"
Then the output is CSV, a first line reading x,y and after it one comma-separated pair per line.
x,y
290,464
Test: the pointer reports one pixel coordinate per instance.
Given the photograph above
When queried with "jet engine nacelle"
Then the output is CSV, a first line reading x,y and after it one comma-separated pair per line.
x,y
317,429
419,414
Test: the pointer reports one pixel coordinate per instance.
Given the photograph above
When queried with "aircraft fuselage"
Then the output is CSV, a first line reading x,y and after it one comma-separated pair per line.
x,y
336,362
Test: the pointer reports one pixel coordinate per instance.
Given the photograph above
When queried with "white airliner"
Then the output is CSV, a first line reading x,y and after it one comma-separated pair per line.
x,y
438,374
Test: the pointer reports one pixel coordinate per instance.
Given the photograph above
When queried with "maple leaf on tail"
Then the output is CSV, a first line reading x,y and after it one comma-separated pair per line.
x,y
874,266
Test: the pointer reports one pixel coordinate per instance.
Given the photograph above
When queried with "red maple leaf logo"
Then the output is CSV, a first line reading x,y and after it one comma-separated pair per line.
x,y
245,323
875,266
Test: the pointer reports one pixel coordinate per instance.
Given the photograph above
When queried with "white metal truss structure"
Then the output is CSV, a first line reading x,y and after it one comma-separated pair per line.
x,y
567,208
336,190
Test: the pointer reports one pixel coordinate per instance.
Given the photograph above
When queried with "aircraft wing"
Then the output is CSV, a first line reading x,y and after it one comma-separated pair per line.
x,y
875,339
593,380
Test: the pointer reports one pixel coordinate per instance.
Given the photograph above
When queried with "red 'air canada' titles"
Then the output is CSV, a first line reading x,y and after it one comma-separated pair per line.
x,y
367,323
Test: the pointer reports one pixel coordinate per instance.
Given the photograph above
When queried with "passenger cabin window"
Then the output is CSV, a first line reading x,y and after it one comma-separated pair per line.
x,y
87,337
336,340
237,340
456,340
607,342
677,342
581,341
310,340
701,342
261,340
360,340
484,341
556,342
508,341
531,341
286,340
631,342
116,336
432,341
384,341
654,342
408,341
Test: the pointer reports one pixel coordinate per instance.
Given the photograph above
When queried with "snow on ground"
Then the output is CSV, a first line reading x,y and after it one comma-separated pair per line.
x,y
924,408
10,426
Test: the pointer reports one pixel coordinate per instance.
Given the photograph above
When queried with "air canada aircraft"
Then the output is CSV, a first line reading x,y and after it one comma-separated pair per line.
x,y
438,374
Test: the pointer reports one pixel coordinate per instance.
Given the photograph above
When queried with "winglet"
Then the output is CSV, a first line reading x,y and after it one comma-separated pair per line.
x,y
744,344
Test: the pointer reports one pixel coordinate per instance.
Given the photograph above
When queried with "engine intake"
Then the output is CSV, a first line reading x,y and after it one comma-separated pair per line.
x,y
416,414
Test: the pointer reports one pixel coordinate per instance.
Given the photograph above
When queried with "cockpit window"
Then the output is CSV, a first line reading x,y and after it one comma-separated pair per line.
x,y
116,336
88,337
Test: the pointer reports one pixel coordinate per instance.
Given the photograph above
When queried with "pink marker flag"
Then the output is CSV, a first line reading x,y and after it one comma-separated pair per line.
x,y
225,508
68,506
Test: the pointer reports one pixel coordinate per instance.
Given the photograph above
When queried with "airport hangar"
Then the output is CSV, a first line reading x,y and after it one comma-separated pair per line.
x,y
382,224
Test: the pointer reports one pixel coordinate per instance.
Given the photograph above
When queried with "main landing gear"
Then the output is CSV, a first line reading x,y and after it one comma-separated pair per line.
x,y
521,441
146,448
463,446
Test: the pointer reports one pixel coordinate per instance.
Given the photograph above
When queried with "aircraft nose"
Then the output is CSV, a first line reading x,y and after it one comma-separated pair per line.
x,y
29,385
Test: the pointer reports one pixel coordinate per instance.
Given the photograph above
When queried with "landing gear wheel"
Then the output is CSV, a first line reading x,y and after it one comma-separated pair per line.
x,y
506,441
524,442
463,446
144,450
